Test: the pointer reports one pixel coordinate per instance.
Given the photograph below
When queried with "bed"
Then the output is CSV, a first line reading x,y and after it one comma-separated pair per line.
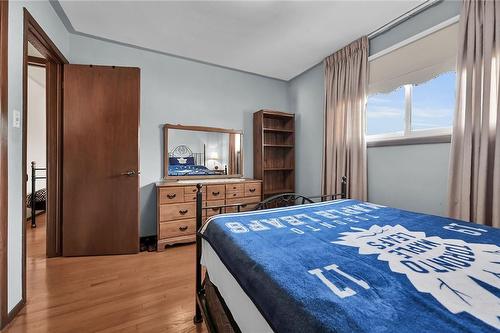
x,y
187,169
183,162
346,266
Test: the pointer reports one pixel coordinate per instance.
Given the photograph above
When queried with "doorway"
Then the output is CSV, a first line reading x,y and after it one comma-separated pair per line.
x,y
41,56
36,152
42,144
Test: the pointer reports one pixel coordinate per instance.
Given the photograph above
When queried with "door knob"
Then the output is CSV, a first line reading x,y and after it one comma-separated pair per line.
x,y
128,173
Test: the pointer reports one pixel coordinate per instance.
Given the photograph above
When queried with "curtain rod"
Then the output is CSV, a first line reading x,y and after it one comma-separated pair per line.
x,y
404,17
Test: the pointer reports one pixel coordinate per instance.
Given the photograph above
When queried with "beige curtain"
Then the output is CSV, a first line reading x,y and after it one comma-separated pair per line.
x,y
346,83
474,190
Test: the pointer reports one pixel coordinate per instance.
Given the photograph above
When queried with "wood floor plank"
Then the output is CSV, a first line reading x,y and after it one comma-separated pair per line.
x,y
146,292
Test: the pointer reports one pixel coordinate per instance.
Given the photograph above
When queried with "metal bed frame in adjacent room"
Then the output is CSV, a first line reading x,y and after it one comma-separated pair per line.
x,y
34,178
202,309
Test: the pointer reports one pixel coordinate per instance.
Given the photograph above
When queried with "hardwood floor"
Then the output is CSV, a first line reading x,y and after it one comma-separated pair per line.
x,y
146,292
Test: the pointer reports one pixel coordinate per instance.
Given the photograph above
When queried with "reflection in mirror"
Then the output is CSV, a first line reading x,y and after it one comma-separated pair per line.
x,y
203,153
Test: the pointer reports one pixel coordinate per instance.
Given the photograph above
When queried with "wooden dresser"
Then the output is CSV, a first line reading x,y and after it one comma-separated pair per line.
x,y
176,206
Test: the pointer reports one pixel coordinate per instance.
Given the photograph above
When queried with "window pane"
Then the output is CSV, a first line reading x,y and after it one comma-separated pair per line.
x,y
385,112
434,103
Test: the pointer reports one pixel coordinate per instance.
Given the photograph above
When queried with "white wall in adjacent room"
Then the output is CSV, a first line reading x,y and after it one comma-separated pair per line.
x,y
37,134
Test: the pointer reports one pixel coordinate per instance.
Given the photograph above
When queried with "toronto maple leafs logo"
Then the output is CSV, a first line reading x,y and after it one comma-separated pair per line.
x,y
448,269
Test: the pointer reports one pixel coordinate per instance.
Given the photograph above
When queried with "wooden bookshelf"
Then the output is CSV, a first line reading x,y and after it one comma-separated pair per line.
x,y
274,151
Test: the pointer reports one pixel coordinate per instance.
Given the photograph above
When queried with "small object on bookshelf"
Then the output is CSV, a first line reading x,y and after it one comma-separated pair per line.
x,y
274,151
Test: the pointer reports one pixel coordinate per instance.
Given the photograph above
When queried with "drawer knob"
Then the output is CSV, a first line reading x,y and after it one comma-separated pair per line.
x,y
183,227
183,211
252,190
235,194
216,193
171,195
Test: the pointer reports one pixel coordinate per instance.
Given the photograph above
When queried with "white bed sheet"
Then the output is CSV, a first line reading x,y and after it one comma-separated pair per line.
x,y
244,312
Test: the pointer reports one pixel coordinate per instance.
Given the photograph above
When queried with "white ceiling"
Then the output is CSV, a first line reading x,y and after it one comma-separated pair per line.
x,y
271,38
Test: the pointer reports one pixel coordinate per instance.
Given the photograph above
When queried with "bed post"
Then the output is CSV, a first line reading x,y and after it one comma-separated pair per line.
x,y
343,188
199,221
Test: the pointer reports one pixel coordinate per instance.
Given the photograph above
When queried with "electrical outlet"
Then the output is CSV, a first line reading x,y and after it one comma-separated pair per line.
x,y
16,121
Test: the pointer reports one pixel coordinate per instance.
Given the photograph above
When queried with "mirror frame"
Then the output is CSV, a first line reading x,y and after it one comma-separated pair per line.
x,y
166,127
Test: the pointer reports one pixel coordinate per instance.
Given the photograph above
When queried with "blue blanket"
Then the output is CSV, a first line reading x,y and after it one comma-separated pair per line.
x,y
350,266
188,170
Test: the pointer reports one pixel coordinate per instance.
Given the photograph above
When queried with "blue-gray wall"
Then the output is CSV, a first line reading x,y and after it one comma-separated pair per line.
x,y
306,99
413,177
180,91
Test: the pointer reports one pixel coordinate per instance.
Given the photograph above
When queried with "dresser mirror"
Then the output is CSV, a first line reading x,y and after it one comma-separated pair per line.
x,y
202,152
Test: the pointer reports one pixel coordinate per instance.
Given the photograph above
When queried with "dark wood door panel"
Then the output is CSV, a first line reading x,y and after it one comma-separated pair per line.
x,y
100,146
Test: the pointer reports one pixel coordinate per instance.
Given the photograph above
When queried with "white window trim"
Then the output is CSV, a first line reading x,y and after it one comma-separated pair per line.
x,y
435,132
408,108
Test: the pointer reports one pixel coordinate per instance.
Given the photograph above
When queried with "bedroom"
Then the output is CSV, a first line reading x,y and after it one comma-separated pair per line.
x,y
210,67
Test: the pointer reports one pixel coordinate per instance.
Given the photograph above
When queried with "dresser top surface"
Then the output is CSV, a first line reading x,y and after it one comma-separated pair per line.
x,y
191,182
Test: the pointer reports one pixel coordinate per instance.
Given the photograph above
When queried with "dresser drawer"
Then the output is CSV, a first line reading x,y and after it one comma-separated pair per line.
x,y
188,190
235,194
214,211
190,193
215,192
177,228
240,187
171,195
177,211
192,197
249,203
253,189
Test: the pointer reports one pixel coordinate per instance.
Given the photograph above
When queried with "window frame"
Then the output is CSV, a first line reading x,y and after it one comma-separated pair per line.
x,y
409,136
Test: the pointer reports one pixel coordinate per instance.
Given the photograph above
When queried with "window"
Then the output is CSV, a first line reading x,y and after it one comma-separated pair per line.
x,y
412,110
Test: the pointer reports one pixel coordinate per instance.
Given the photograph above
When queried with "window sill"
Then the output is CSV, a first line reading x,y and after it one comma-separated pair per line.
x,y
405,141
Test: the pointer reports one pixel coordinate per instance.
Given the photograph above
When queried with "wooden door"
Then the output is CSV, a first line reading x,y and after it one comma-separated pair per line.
x,y
100,160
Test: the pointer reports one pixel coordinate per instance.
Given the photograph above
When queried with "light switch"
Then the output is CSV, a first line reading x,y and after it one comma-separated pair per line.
x,y
16,121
